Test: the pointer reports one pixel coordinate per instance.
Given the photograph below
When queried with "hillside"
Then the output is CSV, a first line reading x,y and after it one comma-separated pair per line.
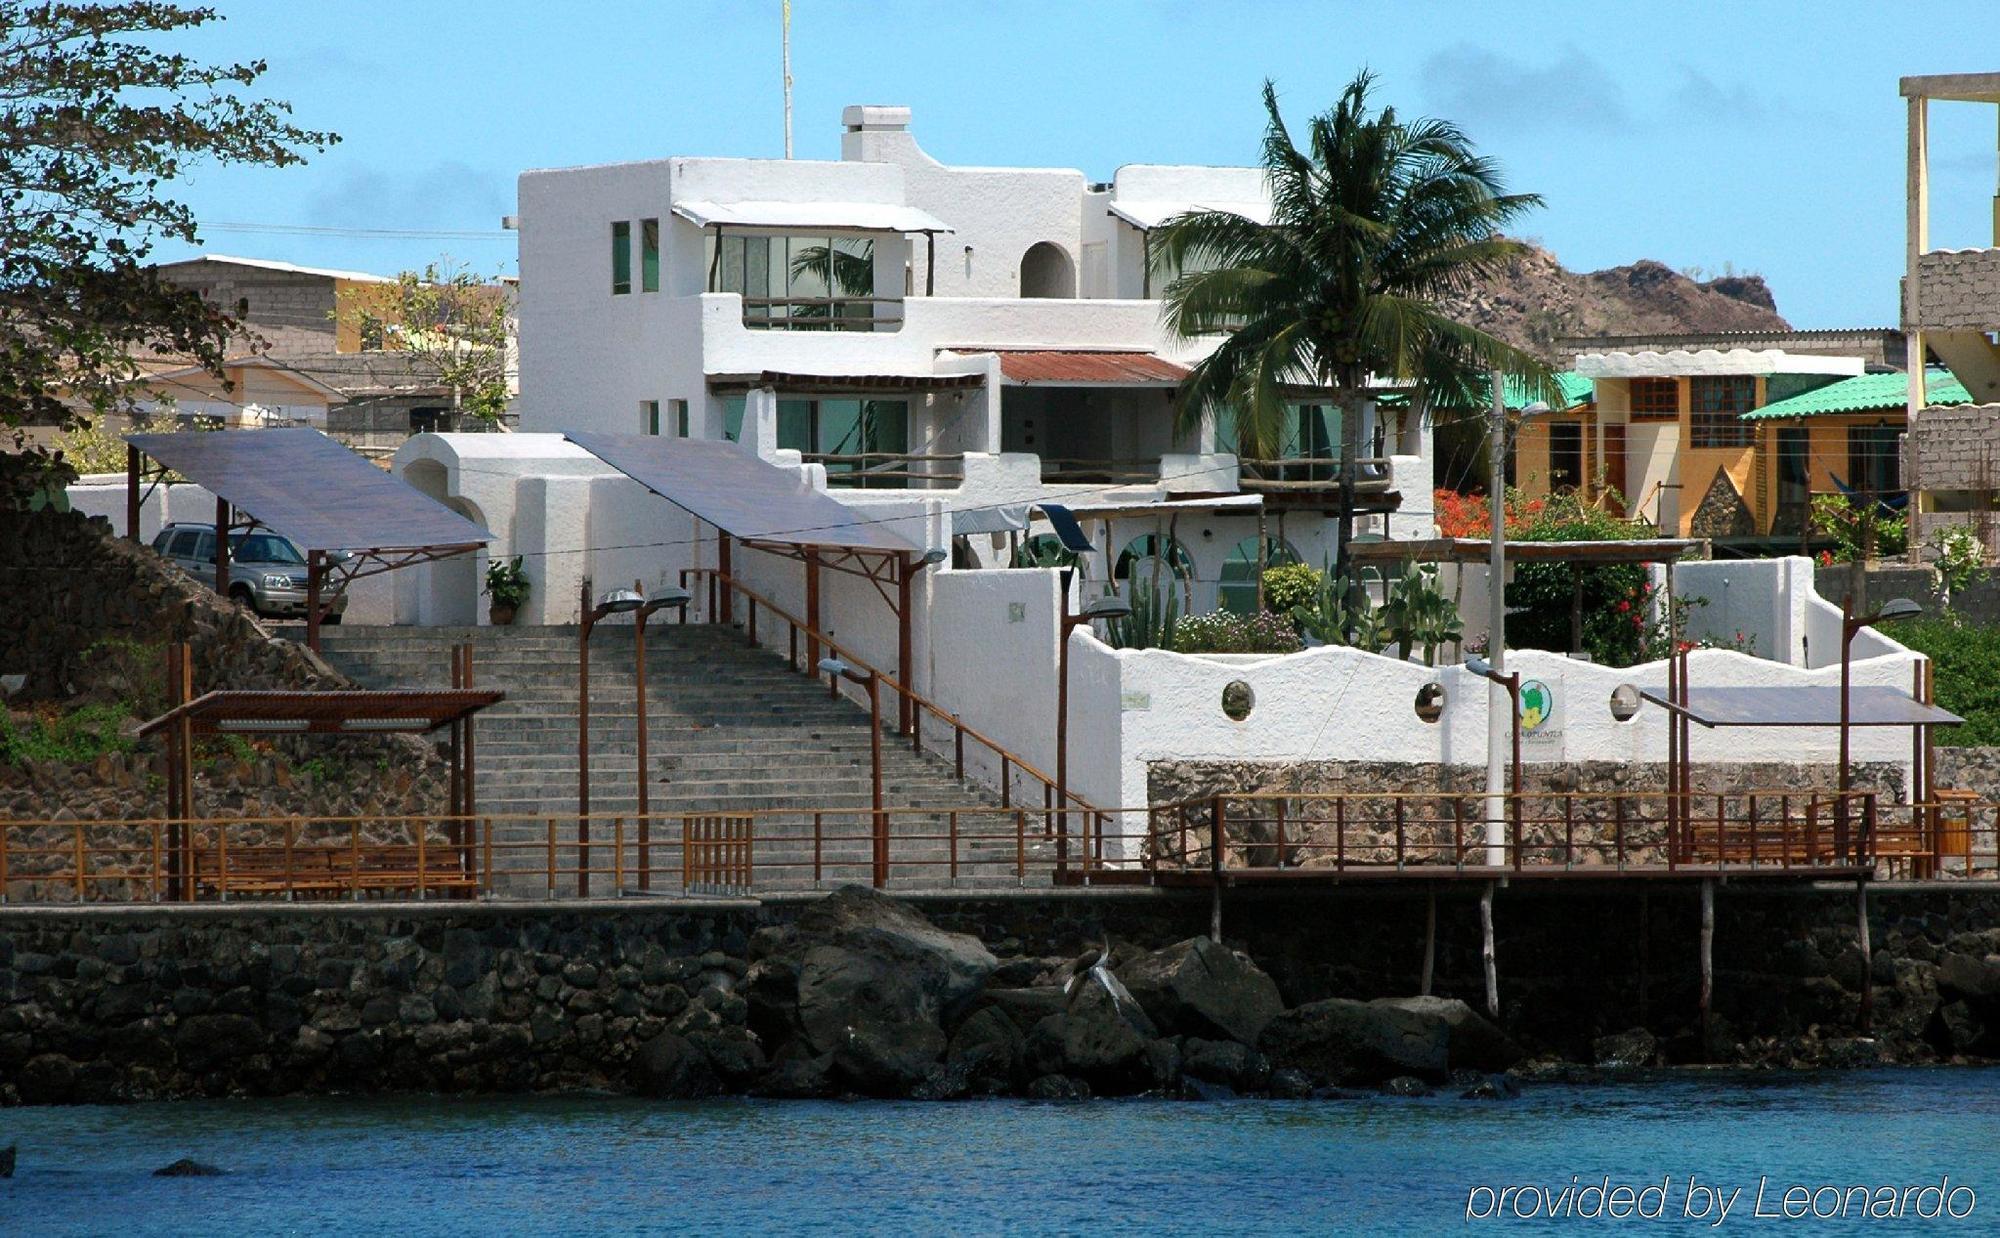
x,y
1536,301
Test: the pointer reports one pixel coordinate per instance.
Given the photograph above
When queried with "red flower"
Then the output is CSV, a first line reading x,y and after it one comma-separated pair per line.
x,y
1624,607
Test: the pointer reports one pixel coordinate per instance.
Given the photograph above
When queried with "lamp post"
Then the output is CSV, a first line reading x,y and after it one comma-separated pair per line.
x,y
667,598
1496,609
1850,627
1511,681
616,602
1110,606
872,684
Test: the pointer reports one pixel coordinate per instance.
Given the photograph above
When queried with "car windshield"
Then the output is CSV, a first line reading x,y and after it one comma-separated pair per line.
x,y
262,548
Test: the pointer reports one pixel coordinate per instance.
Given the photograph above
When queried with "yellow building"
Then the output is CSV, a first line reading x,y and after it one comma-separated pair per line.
x,y
1729,445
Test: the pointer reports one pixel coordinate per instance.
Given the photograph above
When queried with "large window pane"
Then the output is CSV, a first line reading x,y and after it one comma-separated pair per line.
x,y
732,419
886,426
649,255
795,425
621,257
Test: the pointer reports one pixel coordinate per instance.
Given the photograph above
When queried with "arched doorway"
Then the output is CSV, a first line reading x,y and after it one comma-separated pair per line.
x,y
447,590
1238,589
1046,271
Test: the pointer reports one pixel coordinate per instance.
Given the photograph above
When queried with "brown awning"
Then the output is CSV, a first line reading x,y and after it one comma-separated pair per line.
x,y
322,713
309,488
1067,368
1750,705
724,485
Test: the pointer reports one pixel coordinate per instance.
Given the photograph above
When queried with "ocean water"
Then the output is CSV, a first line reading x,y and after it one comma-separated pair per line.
x,y
421,1166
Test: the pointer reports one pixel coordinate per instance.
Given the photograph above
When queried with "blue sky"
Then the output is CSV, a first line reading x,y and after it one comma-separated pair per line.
x,y
1764,136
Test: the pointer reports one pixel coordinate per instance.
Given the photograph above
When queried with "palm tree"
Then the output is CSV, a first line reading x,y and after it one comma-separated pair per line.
x,y
1371,228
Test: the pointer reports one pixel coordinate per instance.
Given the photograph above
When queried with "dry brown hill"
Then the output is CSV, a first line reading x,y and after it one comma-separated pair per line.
x,y
1536,300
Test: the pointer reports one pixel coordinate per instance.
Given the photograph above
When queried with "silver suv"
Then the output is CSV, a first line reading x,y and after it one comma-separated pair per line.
x,y
266,572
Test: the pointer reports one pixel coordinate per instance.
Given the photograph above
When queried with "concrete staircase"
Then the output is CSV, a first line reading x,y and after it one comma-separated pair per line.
x,y
730,730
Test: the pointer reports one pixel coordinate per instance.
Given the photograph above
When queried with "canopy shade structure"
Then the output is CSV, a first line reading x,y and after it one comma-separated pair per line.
x,y
777,511
1214,505
843,216
1808,706
998,518
325,713
723,484
1067,530
304,485
350,518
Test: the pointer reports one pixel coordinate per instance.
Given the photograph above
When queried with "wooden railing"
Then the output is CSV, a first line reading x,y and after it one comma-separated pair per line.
x,y
1012,767
1311,473
821,313
542,857
1542,833
888,470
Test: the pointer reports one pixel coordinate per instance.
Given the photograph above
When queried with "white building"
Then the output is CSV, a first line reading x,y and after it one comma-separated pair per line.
x,y
985,336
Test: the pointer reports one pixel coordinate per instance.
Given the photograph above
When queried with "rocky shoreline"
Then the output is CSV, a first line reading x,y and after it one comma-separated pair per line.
x,y
856,994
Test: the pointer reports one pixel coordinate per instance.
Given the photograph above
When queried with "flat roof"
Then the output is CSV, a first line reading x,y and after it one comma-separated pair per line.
x,y
309,488
1709,361
339,712
725,485
1150,213
1868,705
290,268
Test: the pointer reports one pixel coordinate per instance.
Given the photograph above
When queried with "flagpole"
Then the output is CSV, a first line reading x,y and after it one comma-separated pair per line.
x,y
788,76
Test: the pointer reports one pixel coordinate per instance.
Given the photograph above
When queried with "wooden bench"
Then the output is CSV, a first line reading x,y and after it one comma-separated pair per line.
x,y
331,871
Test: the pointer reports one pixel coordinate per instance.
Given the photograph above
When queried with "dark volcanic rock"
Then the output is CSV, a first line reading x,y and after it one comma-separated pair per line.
x,y
1635,1049
1342,1041
988,1046
1058,1087
1476,1044
1198,988
7,1161
673,1067
1406,1085
187,1167
1105,1034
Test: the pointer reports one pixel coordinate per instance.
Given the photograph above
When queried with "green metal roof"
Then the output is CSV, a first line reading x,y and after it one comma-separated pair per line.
x,y
1864,393
1576,389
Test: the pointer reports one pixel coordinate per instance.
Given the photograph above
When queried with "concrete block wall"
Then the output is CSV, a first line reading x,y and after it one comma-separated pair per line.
x,y
1958,448
1957,289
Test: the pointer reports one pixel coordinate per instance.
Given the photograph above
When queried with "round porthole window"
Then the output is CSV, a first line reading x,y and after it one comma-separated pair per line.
x,y
1430,701
1624,702
1238,700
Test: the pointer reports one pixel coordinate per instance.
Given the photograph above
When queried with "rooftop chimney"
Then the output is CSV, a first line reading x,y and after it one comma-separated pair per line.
x,y
875,118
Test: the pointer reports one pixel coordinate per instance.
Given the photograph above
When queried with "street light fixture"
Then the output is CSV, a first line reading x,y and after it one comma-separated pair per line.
x,y
1109,606
837,670
1850,627
616,602
1511,681
669,598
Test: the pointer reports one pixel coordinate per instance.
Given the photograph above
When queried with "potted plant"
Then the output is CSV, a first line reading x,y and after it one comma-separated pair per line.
x,y
507,585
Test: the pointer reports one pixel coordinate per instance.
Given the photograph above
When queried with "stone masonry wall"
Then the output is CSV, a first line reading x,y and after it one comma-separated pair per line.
x,y
99,1005
66,585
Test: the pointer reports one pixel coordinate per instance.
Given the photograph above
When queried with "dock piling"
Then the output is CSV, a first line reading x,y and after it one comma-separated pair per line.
x,y
1486,951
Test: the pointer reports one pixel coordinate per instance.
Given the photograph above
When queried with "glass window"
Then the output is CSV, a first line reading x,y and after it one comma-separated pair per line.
x,y
1149,550
263,548
795,429
732,419
1715,411
846,428
680,412
1238,590
621,257
184,543
797,280
1656,398
204,546
649,416
1872,459
649,255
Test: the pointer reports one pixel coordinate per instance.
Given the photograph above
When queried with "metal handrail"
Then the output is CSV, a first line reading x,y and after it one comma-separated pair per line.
x,y
916,699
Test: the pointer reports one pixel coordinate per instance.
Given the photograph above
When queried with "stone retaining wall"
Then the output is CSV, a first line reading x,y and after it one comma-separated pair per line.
x,y
99,1005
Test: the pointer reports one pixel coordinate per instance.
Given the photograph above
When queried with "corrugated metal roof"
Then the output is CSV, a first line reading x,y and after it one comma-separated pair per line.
x,y
1063,368
725,485
302,484
1866,393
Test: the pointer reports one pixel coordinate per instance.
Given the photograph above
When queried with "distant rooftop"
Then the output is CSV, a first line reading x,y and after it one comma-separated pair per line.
x,y
290,268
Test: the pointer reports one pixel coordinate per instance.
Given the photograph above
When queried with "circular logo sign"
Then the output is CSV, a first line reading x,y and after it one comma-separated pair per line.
x,y
1537,703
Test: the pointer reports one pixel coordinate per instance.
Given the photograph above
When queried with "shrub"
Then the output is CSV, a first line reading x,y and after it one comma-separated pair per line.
x,y
1226,632
1851,524
506,583
70,738
1151,623
1966,658
1290,586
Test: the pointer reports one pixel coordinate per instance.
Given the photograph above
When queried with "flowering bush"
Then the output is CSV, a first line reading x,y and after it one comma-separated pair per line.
x,y
1467,515
1226,632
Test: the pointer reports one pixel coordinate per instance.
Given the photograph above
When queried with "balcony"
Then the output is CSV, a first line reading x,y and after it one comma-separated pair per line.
x,y
888,470
823,313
